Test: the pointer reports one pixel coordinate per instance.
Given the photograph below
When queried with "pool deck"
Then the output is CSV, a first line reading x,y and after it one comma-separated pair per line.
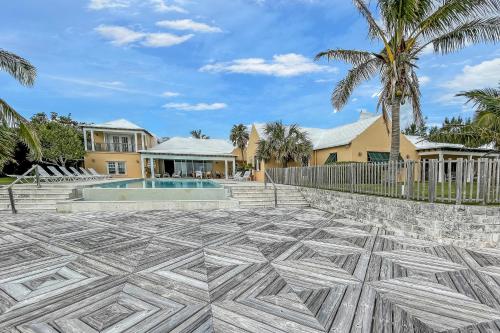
x,y
259,270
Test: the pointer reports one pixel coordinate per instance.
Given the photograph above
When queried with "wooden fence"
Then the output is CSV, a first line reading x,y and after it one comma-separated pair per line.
x,y
448,181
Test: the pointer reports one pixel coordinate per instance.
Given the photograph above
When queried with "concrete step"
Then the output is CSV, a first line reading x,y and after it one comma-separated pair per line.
x,y
35,196
267,195
37,191
256,205
303,204
31,201
21,206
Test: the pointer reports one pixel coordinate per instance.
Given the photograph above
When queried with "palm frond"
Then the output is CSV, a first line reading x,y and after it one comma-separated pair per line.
x,y
487,99
10,118
375,29
7,144
473,32
353,57
21,69
354,77
453,13
415,99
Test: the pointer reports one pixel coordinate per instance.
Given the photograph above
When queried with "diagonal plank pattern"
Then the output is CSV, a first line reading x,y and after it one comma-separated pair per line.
x,y
260,270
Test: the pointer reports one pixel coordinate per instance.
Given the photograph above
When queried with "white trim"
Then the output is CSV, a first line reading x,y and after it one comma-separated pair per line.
x,y
143,172
92,139
458,153
135,143
188,157
85,139
152,166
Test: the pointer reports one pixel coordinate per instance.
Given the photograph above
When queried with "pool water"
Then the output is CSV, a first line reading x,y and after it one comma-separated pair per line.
x,y
161,183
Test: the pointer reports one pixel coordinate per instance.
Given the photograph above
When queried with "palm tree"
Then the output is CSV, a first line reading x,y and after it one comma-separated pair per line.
x,y
239,137
25,73
284,144
406,28
197,134
487,117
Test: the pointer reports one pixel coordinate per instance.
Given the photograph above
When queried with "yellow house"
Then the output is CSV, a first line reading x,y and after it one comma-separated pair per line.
x,y
366,140
114,147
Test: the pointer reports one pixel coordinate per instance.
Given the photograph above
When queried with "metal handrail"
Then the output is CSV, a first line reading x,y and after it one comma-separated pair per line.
x,y
18,180
274,185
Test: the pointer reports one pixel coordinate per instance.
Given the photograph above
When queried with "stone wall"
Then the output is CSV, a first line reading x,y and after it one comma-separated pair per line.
x,y
463,225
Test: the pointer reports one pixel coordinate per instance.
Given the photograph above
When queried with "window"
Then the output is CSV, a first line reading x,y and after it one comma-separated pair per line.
x,y
111,168
379,157
121,168
120,143
117,168
331,159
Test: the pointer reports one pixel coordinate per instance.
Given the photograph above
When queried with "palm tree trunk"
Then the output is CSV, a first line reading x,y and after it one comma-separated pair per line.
x,y
395,130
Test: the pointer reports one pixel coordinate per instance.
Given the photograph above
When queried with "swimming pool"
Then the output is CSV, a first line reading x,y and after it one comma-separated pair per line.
x,y
162,183
156,190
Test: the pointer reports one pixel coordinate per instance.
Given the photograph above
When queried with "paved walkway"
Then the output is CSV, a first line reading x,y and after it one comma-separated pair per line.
x,y
276,270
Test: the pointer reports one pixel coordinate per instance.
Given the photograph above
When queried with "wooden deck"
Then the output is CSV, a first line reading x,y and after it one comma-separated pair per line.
x,y
266,270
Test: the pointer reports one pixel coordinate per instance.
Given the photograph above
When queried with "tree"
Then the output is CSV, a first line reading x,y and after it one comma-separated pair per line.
x,y
25,73
487,117
197,134
406,28
284,144
416,129
239,137
61,139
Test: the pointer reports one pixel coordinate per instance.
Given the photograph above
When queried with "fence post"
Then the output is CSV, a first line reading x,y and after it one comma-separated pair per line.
x,y
431,188
484,180
459,181
409,179
11,198
37,177
351,171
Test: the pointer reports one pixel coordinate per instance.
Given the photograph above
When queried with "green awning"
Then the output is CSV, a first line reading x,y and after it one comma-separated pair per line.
x,y
331,159
380,157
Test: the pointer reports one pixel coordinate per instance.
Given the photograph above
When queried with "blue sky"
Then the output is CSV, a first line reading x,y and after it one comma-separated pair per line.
x,y
176,65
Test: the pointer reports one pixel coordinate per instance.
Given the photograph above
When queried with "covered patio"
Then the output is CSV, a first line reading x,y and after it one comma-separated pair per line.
x,y
189,158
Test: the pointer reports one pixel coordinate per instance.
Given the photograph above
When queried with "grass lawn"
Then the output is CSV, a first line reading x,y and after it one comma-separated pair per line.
x,y
6,180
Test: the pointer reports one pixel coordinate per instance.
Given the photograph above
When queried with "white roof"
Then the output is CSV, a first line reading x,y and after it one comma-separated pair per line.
x,y
423,144
192,146
118,124
334,137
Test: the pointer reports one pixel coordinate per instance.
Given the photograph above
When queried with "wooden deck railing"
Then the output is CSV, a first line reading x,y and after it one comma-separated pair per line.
x,y
447,181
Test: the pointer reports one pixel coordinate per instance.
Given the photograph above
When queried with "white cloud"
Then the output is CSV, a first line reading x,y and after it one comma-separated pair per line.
x,y
104,4
121,36
324,80
195,107
424,80
284,65
170,94
161,7
485,74
188,24
164,39
99,85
